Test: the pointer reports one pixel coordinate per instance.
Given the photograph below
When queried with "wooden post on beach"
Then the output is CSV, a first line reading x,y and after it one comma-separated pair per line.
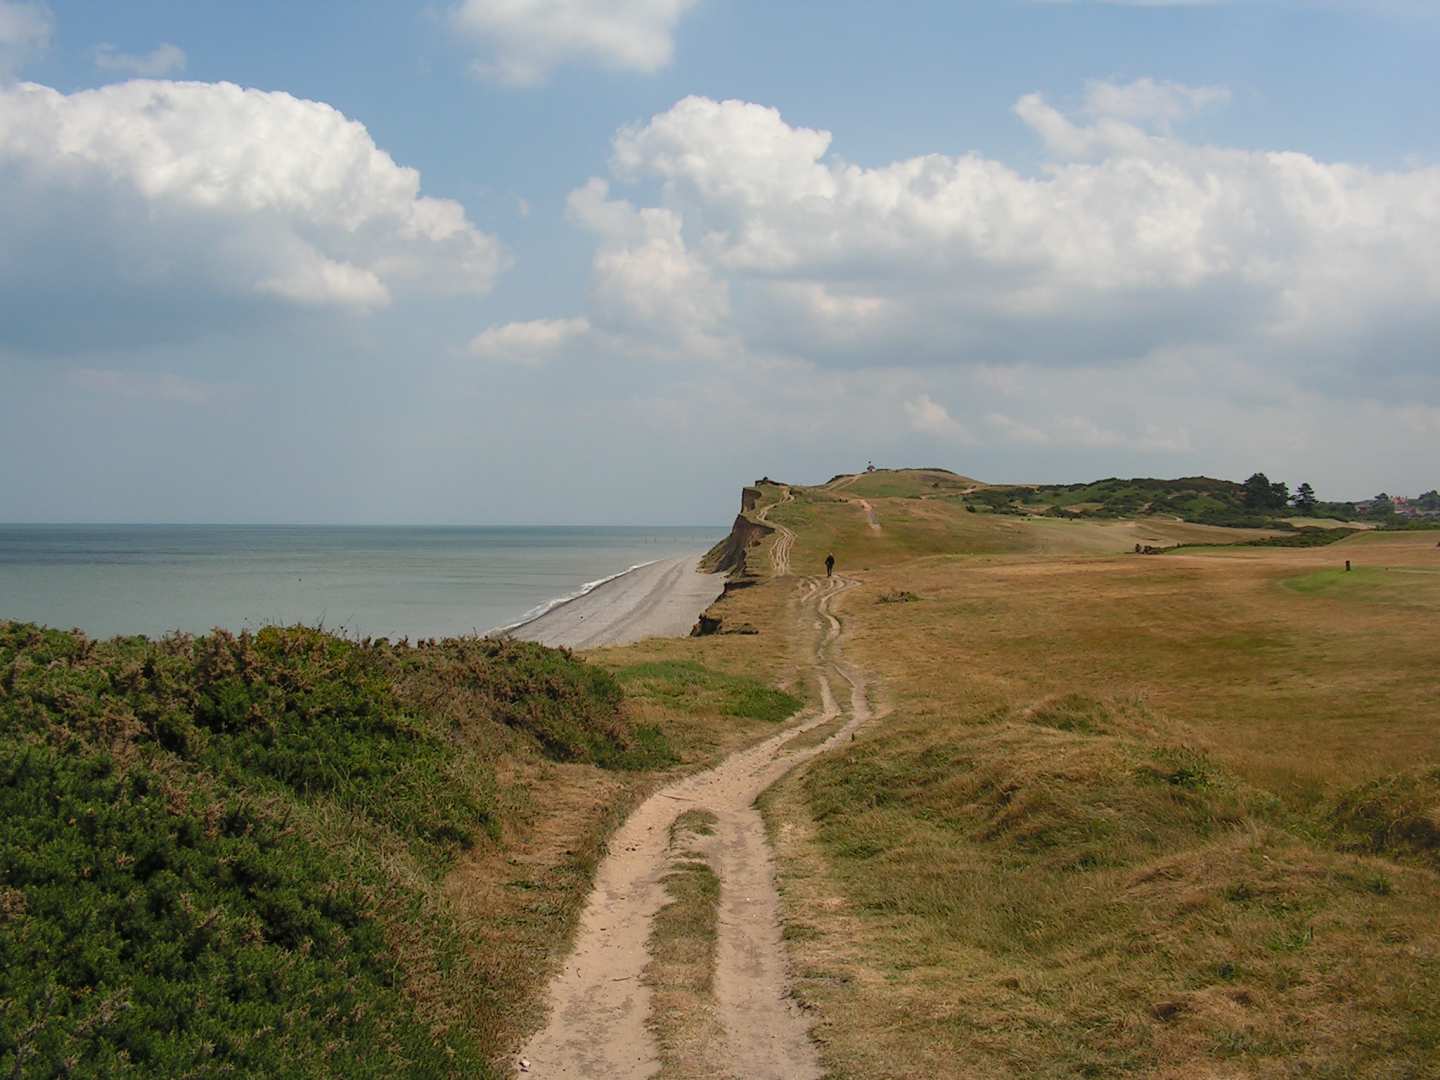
x,y
1347,566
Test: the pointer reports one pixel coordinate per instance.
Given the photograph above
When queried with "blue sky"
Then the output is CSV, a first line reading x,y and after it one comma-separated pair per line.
x,y
567,261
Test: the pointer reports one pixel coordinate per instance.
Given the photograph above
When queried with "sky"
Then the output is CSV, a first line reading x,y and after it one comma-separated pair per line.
x,y
606,261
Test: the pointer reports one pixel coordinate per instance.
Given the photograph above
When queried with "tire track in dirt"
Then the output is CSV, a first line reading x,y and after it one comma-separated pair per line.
x,y
784,538
599,1005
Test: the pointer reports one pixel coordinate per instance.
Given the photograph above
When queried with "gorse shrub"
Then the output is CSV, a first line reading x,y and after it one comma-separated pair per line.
x,y
188,877
572,710
153,931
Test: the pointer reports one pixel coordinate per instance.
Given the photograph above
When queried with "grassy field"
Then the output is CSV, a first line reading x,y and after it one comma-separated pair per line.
x,y
291,854
1172,816
914,521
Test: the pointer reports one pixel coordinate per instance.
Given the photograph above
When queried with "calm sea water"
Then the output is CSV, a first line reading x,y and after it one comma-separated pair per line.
x,y
376,581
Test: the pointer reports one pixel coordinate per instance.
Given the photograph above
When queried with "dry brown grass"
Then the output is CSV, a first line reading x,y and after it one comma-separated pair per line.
x,y
774,656
1294,689
681,971
1131,816
830,520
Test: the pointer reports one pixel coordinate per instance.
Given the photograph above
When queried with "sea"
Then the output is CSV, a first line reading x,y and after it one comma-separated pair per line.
x,y
361,581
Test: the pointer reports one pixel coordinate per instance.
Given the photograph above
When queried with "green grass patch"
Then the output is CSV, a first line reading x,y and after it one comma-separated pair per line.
x,y
1400,585
691,687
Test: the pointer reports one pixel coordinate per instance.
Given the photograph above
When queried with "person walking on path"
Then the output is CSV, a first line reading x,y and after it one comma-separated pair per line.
x,y
829,565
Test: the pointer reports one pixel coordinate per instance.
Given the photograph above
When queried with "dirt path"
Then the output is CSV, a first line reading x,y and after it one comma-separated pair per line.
x,y
870,518
598,1005
784,539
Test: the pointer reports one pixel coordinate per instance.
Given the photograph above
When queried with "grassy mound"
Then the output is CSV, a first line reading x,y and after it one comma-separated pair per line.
x,y
691,687
222,854
904,483
1117,905
1392,815
1076,794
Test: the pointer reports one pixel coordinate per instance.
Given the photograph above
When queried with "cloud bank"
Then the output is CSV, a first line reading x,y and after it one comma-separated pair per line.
x,y
1140,292
1130,241
176,200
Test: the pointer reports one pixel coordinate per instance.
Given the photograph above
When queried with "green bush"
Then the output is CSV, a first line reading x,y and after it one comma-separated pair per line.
x,y
190,878
1299,538
149,931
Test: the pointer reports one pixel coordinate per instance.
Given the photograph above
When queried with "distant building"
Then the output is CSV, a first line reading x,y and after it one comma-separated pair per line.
x,y
1403,505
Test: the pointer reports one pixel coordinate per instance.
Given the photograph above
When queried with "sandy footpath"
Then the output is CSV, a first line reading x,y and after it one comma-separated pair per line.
x,y
599,1004
664,599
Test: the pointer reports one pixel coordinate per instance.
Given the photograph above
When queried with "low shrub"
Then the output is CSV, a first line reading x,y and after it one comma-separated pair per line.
x,y
214,845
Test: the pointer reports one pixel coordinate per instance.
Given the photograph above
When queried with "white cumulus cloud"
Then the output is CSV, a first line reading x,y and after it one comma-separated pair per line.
x,y
165,59
1130,240
529,343
647,281
1139,301
157,202
25,30
524,41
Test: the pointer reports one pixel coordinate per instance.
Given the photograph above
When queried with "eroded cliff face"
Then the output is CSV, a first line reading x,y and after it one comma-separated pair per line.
x,y
728,556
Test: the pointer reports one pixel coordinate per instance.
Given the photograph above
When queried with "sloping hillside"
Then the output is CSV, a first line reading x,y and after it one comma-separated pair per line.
x,y
292,854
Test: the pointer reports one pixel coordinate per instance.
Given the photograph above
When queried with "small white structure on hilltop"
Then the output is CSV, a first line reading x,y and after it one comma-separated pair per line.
x,y
870,466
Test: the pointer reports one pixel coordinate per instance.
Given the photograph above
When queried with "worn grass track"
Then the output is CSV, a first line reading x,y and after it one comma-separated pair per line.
x,y
601,1008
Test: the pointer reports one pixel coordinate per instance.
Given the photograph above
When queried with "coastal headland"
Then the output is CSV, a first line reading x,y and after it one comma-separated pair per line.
x,y
1120,779
1042,774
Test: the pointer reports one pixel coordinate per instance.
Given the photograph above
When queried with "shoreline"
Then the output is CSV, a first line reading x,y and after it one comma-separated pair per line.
x,y
539,611
663,598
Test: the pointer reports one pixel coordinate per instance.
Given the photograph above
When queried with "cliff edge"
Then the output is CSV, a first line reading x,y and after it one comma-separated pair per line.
x,y
728,556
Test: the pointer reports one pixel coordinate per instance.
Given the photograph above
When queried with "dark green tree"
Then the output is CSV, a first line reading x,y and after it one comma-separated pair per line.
x,y
1279,495
1305,499
1258,492
1381,506
1430,500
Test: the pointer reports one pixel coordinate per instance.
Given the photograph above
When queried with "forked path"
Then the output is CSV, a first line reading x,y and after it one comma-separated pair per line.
x,y
599,1004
